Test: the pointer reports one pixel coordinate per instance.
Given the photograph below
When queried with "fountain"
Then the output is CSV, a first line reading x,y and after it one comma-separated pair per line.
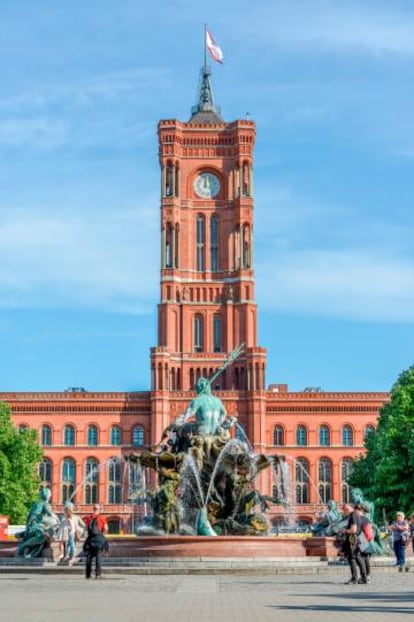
x,y
206,502
205,477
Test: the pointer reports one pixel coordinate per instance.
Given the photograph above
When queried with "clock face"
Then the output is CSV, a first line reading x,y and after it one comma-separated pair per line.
x,y
206,185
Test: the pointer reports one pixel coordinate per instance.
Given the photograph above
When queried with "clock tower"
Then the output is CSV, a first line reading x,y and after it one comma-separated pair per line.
x,y
207,300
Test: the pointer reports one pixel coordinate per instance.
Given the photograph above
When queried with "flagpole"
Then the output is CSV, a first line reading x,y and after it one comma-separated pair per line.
x,y
205,47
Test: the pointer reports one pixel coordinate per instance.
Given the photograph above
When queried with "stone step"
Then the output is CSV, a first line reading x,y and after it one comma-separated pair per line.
x,y
160,566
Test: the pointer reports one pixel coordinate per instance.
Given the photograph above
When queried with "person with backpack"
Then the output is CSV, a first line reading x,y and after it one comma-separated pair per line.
x,y
95,543
351,546
365,539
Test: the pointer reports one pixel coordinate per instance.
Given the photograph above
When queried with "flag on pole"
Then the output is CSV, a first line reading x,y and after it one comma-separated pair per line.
x,y
213,48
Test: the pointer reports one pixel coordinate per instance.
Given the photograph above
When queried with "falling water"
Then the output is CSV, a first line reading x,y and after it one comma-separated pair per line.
x,y
296,463
241,433
89,478
190,486
227,449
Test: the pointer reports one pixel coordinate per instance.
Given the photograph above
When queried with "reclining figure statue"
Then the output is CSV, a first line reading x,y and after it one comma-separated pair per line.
x,y
41,525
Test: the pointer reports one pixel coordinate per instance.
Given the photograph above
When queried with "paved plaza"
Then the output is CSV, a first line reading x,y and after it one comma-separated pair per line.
x,y
204,598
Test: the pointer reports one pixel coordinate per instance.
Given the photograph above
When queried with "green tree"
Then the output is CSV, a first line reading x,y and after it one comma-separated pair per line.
x,y
20,454
386,472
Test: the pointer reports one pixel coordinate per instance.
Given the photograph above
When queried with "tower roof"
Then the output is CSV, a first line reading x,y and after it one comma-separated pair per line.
x,y
205,111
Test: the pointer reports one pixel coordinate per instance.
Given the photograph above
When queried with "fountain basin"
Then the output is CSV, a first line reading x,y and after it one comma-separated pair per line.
x,y
201,547
173,546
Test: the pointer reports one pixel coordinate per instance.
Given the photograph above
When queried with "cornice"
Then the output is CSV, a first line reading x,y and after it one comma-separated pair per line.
x,y
75,397
304,396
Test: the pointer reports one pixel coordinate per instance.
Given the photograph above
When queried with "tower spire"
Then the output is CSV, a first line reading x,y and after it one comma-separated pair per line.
x,y
205,110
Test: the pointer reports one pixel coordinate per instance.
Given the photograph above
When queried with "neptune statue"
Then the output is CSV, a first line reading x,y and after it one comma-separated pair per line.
x,y
208,410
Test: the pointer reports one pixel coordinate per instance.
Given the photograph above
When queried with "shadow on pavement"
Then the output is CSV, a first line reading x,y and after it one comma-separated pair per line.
x,y
381,603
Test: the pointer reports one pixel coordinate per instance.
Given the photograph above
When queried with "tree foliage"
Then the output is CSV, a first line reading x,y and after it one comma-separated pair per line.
x,y
386,472
20,454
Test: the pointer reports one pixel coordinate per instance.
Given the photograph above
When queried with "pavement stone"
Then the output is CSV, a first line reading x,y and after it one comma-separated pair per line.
x,y
205,598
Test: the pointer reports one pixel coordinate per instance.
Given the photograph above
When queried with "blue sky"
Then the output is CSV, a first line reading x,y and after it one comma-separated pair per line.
x,y
330,85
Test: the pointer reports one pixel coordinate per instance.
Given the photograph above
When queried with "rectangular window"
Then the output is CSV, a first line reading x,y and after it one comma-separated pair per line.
x,y
214,243
198,334
201,240
217,334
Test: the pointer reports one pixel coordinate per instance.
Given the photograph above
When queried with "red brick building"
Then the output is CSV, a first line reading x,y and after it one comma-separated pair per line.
x,y
207,307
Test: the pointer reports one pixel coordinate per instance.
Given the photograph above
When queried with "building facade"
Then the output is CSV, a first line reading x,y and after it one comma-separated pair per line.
x,y
207,308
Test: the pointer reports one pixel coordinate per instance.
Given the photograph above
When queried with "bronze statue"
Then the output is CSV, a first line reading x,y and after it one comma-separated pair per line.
x,y
41,525
329,522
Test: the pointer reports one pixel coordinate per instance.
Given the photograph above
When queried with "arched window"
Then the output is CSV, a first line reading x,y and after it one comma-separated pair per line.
x,y
324,436
92,436
68,479
369,429
302,480
169,172
46,435
217,333
301,436
246,179
325,479
214,243
115,435
347,436
177,180
246,257
169,232
278,436
23,427
91,481
69,436
138,436
200,243
114,480
347,466
198,333
45,472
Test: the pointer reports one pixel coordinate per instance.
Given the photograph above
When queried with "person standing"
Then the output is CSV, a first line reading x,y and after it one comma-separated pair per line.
x,y
70,526
76,528
351,546
365,554
63,537
95,543
400,536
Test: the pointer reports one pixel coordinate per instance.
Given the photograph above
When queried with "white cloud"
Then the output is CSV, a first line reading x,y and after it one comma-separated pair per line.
x,y
351,27
82,114
55,259
98,87
356,284
307,114
332,260
39,132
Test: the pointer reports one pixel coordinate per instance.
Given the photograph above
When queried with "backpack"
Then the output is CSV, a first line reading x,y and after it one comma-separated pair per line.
x,y
368,530
93,529
96,538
